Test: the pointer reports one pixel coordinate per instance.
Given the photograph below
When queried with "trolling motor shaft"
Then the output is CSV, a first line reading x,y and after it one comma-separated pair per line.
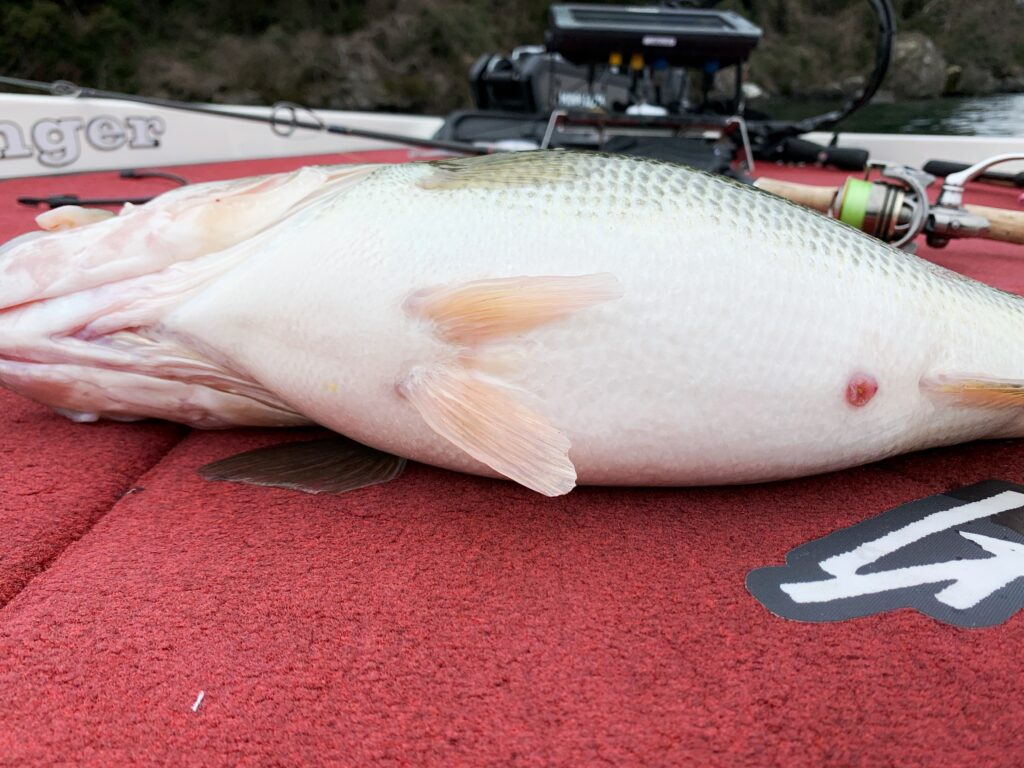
x,y
897,209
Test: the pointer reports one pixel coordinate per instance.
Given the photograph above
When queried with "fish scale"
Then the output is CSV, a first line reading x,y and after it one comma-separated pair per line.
x,y
588,319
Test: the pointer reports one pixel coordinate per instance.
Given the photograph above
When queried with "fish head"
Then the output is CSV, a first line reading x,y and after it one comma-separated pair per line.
x,y
81,302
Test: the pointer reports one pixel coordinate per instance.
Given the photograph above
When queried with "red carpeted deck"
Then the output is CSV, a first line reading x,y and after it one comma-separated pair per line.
x,y
449,620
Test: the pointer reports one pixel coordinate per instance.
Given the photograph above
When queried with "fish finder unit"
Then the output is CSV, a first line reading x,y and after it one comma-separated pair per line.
x,y
666,37
613,58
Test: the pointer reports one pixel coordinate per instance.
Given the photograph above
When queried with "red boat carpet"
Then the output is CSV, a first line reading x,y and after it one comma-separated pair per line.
x,y
149,617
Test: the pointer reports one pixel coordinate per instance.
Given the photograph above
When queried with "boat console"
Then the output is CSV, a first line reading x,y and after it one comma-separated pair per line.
x,y
636,79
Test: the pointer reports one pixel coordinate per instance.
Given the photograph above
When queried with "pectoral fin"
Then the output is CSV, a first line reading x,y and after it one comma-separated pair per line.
x,y
485,310
489,421
332,465
977,391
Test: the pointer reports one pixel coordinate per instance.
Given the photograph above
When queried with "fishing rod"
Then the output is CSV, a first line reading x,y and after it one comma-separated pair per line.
x,y
897,209
282,127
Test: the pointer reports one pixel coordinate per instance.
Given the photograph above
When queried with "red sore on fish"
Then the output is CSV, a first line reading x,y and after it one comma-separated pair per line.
x,y
860,389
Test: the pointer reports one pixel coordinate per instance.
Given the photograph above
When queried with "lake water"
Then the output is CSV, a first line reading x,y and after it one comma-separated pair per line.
x,y
998,115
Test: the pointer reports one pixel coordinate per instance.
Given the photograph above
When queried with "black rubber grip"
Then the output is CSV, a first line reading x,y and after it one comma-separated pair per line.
x,y
944,168
800,151
803,151
846,158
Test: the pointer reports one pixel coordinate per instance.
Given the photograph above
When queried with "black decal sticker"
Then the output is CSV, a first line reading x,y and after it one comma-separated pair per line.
x,y
957,557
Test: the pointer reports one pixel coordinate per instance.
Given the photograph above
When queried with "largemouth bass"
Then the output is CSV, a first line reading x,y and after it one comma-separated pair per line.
x,y
550,317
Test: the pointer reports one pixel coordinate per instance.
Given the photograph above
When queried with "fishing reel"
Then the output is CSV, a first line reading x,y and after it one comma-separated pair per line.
x,y
895,208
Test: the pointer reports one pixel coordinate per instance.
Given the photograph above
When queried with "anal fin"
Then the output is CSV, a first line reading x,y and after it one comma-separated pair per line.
x,y
331,465
979,391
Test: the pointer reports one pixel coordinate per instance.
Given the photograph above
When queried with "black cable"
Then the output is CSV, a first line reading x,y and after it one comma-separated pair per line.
x,y
769,134
57,201
883,56
134,173
69,198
